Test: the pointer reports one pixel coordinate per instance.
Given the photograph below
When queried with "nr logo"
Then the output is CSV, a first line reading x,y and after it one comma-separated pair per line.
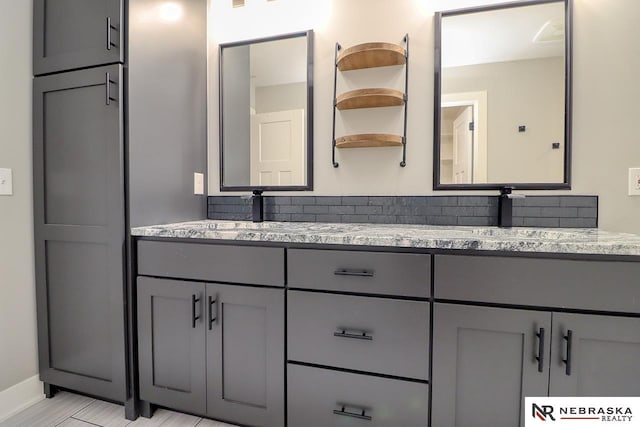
x,y
543,412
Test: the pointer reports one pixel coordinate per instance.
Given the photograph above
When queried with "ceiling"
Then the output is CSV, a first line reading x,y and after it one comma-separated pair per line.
x,y
501,35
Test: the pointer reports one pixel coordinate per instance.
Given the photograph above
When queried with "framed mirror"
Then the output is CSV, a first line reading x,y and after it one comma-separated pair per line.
x,y
266,113
503,97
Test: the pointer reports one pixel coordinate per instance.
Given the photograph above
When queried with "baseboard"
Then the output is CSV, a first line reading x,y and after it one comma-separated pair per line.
x,y
20,396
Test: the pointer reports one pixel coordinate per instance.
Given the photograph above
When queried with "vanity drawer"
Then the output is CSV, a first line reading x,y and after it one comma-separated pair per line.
x,y
325,398
216,263
587,285
361,333
363,272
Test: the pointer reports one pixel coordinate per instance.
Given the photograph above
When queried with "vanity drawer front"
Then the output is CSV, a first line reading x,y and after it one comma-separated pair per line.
x,y
328,330
588,285
315,395
218,263
363,272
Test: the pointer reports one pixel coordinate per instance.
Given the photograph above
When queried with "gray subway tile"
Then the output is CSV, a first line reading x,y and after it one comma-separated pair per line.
x,y
541,222
230,208
542,201
443,201
579,201
315,209
355,200
548,212
473,201
382,219
411,200
411,219
474,220
578,222
303,217
279,217
587,212
527,211
355,218
342,210
487,211
429,210
442,220
381,200
368,210
328,218
282,200
328,200
516,221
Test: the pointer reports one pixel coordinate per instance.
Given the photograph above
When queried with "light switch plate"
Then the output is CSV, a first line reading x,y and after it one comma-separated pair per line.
x,y
634,181
198,183
6,182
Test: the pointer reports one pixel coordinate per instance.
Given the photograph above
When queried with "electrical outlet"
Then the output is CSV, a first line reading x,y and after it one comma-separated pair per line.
x,y
634,181
6,182
198,183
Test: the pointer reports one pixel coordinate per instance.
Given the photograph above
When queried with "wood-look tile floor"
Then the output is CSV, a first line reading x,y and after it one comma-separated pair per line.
x,y
73,410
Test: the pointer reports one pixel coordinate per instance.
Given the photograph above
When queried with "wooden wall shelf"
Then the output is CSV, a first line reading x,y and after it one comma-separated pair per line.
x,y
364,140
369,98
371,55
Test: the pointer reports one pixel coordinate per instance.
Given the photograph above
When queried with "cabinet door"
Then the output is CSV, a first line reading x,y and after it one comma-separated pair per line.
x,y
171,343
245,355
484,364
79,230
602,353
71,34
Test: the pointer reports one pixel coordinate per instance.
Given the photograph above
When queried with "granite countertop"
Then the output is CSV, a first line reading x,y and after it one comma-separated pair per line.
x,y
549,240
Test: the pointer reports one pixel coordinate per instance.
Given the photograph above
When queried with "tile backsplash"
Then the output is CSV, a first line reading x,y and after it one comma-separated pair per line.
x,y
532,211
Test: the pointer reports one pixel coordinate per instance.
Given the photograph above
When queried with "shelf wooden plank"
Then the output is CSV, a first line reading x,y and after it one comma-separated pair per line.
x,y
369,98
371,55
364,140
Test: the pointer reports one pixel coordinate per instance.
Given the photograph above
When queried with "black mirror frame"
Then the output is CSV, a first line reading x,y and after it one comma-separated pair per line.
x,y
566,184
309,115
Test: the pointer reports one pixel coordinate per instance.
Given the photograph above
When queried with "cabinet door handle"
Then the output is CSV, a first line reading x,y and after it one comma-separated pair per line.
x,y
194,318
108,82
356,335
540,356
567,362
212,303
355,412
352,272
110,28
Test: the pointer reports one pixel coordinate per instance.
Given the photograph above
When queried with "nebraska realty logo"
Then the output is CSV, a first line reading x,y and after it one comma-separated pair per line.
x,y
582,411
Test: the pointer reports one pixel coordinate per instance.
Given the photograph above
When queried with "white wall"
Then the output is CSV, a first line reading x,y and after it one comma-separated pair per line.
x,y
18,357
606,66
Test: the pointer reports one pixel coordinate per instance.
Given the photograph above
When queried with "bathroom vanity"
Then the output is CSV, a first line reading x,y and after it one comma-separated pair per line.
x,y
311,324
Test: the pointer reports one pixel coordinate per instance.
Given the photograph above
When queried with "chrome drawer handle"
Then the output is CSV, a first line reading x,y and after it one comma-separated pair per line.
x,y
356,335
352,272
359,413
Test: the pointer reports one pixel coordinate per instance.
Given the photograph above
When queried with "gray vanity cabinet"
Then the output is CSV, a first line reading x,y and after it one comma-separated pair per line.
x,y
171,343
484,363
79,221
603,356
245,354
212,349
70,34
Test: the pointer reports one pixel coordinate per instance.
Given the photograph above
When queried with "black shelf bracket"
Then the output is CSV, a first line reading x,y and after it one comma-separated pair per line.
x,y
403,163
335,105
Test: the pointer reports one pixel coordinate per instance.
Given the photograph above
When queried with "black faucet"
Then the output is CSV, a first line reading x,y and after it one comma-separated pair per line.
x,y
258,206
505,206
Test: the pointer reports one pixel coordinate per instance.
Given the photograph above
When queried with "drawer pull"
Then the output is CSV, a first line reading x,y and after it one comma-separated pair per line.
x,y
352,272
356,335
540,356
569,339
194,318
359,413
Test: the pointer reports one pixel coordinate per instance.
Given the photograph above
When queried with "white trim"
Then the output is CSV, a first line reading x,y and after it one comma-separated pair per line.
x,y
20,396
